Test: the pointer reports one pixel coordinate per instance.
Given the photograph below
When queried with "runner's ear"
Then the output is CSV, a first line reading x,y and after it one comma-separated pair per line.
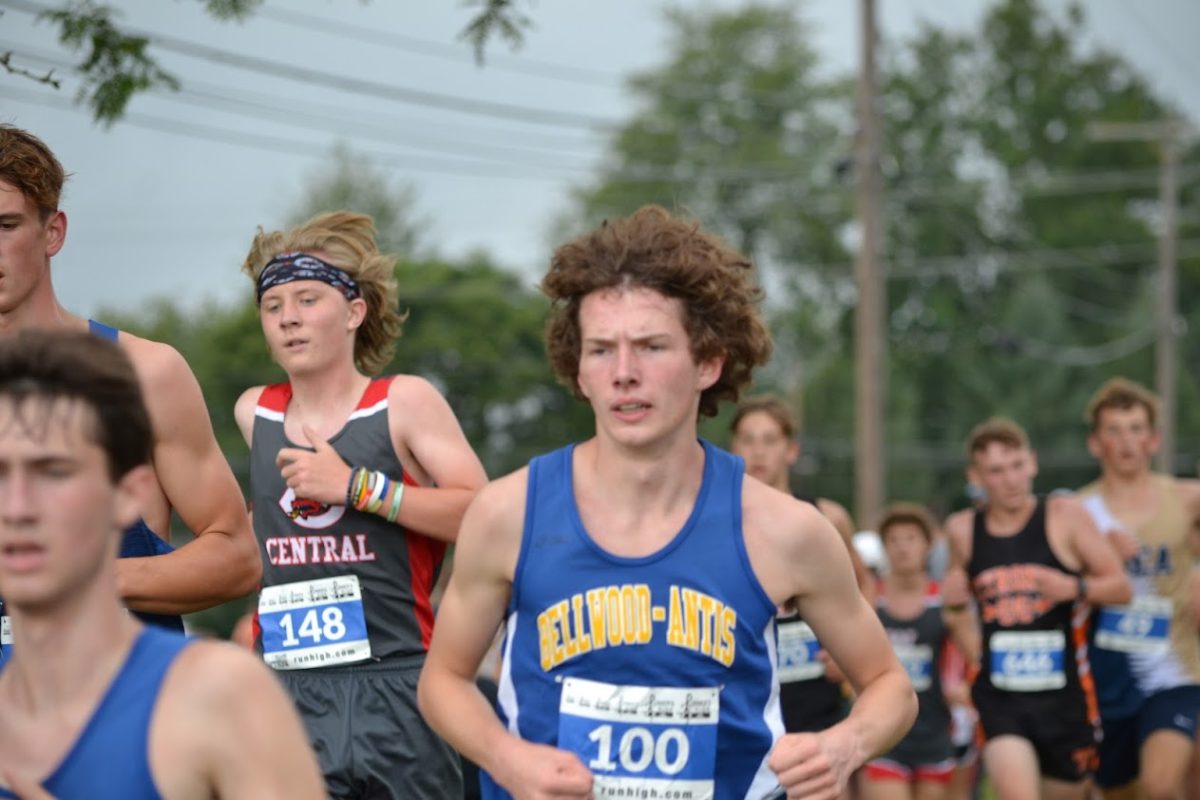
x,y
133,493
357,312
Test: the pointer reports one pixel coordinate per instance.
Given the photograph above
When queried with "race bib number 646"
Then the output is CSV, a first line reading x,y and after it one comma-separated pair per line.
x,y
640,741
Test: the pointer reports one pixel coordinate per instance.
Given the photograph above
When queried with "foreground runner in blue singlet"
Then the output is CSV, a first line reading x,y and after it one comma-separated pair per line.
x,y
191,475
638,573
95,705
358,483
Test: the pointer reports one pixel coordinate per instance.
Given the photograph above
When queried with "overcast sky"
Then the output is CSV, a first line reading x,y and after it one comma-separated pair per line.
x,y
166,201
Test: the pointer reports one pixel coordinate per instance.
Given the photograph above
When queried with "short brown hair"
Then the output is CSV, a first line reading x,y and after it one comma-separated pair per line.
x,y
910,513
29,165
1001,430
653,249
1122,394
772,406
347,241
45,366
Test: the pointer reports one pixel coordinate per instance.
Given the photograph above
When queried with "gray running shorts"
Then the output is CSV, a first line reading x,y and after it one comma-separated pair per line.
x,y
370,739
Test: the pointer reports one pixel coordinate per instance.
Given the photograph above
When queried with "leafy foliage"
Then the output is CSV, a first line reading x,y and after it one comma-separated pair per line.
x,y
115,65
1006,223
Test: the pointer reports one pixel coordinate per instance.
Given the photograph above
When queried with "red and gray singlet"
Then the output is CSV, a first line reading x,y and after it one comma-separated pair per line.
x,y
339,586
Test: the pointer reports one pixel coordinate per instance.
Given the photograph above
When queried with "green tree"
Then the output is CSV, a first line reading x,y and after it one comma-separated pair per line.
x,y
114,65
1018,249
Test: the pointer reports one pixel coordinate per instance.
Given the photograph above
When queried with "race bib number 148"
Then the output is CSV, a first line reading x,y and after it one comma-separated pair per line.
x,y
313,623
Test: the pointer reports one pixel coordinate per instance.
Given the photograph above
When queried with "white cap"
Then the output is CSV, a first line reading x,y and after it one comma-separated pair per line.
x,y
870,550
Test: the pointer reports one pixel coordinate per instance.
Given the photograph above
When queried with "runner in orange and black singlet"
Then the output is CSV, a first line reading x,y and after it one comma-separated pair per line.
x,y
1033,680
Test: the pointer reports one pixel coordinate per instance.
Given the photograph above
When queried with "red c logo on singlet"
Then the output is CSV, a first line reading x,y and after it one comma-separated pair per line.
x,y
308,513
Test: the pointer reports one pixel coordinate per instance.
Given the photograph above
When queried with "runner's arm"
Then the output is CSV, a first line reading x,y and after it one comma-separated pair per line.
x,y
1105,578
469,616
848,628
1190,490
222,562
957,612
450,474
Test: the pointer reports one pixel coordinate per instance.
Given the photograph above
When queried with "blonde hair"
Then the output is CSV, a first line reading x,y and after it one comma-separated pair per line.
x,y
347,241
1122,394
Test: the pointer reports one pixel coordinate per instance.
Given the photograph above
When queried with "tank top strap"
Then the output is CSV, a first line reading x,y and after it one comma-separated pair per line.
x,y
97,328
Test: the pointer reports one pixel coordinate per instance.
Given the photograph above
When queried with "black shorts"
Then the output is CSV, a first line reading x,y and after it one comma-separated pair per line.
x,y
370,739
1055,723
1120,753
811,705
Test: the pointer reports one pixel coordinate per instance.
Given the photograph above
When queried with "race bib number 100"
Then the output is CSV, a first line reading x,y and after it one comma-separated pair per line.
x,y
313,623
642,741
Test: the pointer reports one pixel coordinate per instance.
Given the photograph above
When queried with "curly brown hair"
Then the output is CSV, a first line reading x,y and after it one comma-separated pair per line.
x,y
29,165
654,249
347,241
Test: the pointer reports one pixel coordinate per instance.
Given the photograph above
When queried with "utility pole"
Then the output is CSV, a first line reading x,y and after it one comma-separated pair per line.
x,y
1170,135
870,388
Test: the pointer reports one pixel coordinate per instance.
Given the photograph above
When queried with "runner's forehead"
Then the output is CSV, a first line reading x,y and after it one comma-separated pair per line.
x,y
637,312
46,423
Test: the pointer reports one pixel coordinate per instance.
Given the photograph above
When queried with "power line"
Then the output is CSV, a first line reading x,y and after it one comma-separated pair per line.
x,y
275,144
1088,356
384,91
412,44
765,172
345,121
526,66
1038,260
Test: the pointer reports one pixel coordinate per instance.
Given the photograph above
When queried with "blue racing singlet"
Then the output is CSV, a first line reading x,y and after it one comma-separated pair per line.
x,y
659,672
139,540
110,759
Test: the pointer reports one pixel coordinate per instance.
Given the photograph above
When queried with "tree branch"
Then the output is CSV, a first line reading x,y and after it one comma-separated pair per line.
x,y
48,78
498,17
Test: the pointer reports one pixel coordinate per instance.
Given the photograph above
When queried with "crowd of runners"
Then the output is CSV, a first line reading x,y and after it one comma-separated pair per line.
x,y
675,619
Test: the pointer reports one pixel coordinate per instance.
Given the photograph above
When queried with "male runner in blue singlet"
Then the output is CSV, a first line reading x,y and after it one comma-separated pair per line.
x,y
96,705
358,483
638,573
191,475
